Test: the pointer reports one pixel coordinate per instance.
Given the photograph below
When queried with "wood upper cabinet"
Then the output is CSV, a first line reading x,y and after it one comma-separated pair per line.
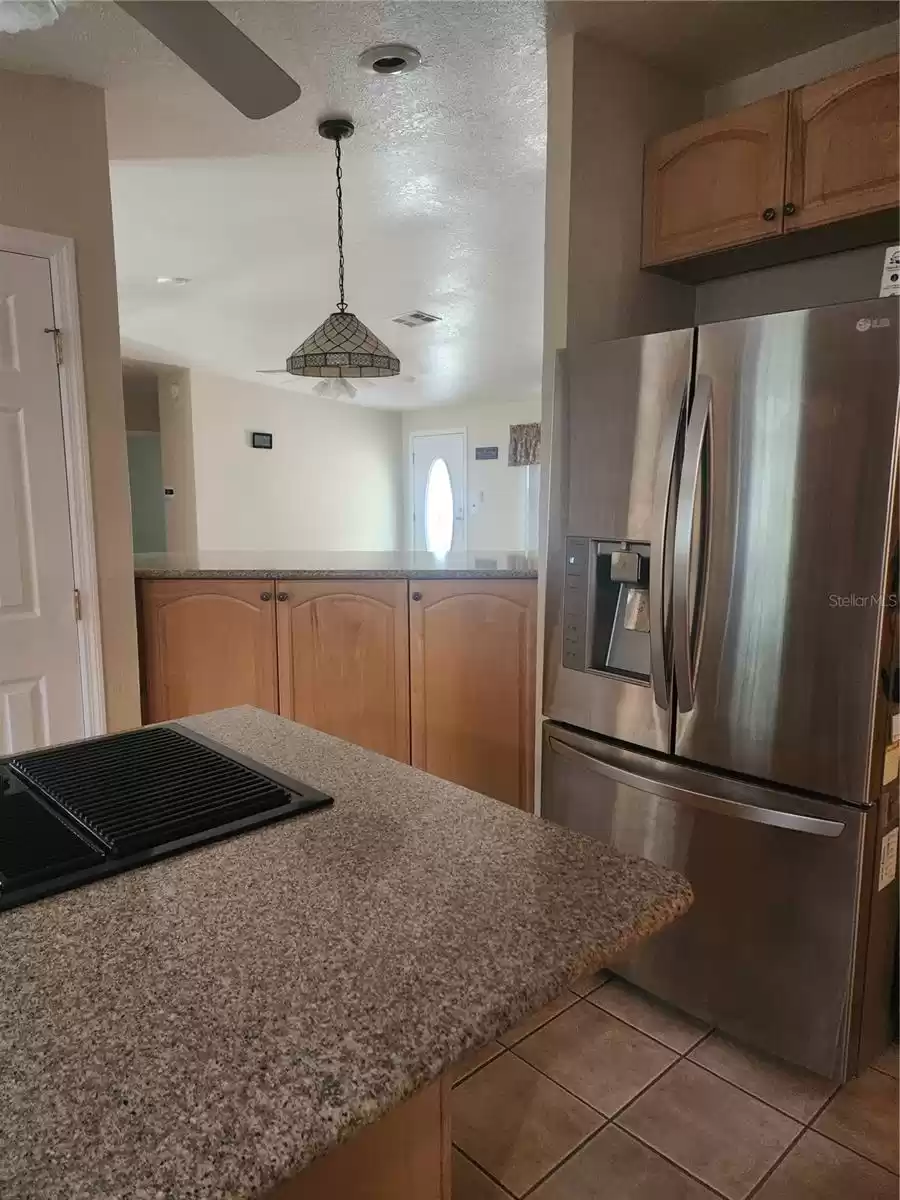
x,y
472,651
843,148
207,644
343,660
715,184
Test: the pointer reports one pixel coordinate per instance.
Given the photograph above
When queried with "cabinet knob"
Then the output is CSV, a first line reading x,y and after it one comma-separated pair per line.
x,y
789,209
769,214
265,595
282,596
417,595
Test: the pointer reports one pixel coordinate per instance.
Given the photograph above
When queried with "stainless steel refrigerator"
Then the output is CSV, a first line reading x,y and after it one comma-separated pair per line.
x,y
719,678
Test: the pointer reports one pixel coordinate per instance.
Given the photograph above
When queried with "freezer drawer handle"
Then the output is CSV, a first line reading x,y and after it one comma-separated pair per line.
x,y
715,804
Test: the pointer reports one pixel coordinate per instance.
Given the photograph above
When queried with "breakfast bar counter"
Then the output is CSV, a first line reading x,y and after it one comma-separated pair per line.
x,y
337,564
206,1027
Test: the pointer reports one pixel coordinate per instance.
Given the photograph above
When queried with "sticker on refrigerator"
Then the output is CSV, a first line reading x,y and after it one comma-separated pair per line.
x,y
890,275
891,764
887,868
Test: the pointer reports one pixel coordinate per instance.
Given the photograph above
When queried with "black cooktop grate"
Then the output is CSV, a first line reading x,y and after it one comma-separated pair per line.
x,y
141,789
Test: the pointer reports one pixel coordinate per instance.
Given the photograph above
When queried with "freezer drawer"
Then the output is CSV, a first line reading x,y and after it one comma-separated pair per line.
x,y
766,953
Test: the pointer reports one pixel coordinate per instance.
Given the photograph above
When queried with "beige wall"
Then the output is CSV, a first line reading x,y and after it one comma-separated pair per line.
x,y
140,392
333,480
177,450
496,503
618,104
803,68
54,177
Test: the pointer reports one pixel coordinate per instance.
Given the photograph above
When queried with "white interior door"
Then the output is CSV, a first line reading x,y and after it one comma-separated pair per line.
x,y
40,679
439,492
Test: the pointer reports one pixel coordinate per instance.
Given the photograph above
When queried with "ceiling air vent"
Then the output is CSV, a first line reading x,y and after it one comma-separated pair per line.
x,y
415,318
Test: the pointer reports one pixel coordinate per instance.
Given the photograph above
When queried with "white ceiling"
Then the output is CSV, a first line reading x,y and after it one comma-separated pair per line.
x,y
444,180
444,191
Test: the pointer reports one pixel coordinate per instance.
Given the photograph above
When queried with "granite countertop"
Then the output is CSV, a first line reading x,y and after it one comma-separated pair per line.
x,y
204,1027
339,564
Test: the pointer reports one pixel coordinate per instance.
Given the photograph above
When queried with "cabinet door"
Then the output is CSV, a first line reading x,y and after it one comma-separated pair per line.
x,y
843,147
716,184
207,644
343,660
472,651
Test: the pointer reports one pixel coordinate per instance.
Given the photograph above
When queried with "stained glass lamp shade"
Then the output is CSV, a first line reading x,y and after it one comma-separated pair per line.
x,y
343,346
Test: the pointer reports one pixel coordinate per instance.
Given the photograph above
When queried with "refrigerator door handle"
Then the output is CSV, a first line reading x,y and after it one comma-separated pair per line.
x,y
715,804
684,537
659,556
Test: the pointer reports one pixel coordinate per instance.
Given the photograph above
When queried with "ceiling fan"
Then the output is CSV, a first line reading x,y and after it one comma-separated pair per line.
x,y
206,41
201,36
332,388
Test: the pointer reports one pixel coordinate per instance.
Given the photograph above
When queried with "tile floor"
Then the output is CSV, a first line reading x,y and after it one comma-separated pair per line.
x,y
607,1094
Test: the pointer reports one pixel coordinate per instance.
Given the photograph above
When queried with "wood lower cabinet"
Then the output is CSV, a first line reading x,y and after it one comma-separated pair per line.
x,y
472,652
843,149
715,184
437,672
343,660
207,644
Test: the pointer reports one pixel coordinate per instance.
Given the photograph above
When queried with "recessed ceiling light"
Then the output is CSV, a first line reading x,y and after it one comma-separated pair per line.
x,y
173,280
393,58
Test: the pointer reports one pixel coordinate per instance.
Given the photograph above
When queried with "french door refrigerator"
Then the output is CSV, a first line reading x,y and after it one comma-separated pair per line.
x,y
719,674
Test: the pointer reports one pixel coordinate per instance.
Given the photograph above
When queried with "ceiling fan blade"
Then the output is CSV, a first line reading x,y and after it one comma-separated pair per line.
x,y
211,45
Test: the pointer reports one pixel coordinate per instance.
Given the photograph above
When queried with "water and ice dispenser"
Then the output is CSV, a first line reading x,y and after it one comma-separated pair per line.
x,y
607,608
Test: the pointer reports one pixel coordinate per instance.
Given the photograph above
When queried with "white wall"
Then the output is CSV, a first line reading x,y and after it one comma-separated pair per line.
x,y
333,480
496,491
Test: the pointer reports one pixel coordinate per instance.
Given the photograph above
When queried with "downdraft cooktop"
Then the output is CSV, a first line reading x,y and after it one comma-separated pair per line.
x,y
76,813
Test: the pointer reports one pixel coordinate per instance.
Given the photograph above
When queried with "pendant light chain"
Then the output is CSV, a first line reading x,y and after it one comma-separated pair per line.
x,y
342,347
342,305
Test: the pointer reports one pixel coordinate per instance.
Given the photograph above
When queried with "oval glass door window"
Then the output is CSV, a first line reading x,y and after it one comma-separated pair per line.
x,y
438,509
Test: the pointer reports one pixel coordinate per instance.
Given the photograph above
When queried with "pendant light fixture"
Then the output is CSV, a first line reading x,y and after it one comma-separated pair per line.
x,y
342,347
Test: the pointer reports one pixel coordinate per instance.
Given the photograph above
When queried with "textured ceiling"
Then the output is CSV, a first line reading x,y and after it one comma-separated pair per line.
x,y
444,191
710,43
444,178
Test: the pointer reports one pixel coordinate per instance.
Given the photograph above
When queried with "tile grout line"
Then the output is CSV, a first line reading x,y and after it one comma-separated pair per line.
x,y
562,1087
760,1100
852,1150
807,1126
681,1053
606,1120
671,1161
562,1162
681,1056
543,1025
475,1163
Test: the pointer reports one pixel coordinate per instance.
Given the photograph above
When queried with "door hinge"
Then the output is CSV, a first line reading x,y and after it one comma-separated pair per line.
x,y
77,604
57,342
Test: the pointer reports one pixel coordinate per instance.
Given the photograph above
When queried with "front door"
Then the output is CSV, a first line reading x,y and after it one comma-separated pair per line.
x,y
40,679
439,492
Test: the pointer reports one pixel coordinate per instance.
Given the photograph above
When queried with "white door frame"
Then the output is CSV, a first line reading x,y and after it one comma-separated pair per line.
x,y
411,476
60,254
